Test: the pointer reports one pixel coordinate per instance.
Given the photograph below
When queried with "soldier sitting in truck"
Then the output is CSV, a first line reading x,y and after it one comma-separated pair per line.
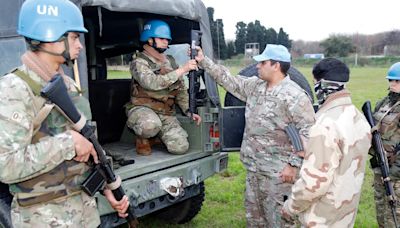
x,y
157,85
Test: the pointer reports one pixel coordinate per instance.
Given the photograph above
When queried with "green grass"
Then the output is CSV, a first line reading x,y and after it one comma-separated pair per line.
x,y
224,207
116,74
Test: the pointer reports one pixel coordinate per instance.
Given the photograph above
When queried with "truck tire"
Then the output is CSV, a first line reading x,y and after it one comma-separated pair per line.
x,y
299,78
251,70
5,215
184,211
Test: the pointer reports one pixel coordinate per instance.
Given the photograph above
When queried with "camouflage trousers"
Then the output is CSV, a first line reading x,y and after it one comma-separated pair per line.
x,y
264,199
146,124
78,211
384,213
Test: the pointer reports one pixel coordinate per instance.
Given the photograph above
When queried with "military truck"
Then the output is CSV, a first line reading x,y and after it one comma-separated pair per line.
x,y
114,27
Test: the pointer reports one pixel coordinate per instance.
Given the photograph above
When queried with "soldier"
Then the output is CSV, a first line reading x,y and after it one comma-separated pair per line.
x,y
272,102
44,162
387,117
157,85
328,190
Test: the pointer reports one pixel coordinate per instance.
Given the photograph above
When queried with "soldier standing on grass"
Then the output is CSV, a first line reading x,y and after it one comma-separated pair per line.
x,y
387,117
272,102
329,188
45,162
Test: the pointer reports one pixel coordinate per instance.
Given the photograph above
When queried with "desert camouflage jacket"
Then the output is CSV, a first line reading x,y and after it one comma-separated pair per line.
x,y
328,190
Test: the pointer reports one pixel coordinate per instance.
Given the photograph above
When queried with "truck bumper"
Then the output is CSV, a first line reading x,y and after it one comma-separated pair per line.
x,y
146,194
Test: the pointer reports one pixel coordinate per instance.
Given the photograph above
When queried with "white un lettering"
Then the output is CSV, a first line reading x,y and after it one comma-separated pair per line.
x,y
49,10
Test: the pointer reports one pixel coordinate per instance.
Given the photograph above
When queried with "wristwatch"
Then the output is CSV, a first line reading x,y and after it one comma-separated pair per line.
x,y
295,160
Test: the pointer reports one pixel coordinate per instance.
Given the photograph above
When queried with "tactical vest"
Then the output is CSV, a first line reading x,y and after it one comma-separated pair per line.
x,y
161,102
64,180
387,118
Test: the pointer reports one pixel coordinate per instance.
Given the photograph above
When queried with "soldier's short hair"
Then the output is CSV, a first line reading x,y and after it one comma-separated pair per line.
x,y
284,65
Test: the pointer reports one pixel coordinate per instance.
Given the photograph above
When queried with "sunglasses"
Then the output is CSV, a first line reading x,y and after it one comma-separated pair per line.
x,y
393,80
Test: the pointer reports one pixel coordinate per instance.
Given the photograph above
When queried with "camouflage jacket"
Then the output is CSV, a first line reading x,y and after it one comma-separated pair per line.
x,y
42,170
158,84
266,148
328,190
388,118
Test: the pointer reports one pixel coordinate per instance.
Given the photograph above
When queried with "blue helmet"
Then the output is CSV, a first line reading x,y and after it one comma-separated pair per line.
x,y
394,72
155,29
49,20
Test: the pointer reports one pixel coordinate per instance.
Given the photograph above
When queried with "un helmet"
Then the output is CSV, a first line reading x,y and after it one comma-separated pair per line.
x,y
155,29
394,72
49,20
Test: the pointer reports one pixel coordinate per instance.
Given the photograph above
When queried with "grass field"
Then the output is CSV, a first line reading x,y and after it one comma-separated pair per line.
x,y
223,206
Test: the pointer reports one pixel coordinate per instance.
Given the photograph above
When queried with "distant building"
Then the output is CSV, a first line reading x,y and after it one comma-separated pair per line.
x,y
251,49
314,56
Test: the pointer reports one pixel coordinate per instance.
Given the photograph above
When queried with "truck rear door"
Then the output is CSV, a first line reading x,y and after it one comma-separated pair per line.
x,y
232,122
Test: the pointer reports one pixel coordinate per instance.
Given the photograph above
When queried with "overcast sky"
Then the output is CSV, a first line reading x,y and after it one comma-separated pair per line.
x,y
310,20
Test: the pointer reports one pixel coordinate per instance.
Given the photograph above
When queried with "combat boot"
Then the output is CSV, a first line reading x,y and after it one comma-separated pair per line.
x,y
143,146
155,141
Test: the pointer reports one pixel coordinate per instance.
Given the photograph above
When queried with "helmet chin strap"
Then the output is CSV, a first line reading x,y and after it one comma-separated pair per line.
x,y
154,45
65,53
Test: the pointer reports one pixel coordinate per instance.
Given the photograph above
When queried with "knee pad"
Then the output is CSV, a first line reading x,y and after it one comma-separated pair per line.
x,y
178,146
148,128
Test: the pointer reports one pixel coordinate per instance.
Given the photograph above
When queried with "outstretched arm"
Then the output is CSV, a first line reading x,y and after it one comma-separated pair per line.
x,y
239,86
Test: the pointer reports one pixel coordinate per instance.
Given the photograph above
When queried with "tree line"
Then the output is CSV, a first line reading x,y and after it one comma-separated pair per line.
x,y
253,32
342,45
336,45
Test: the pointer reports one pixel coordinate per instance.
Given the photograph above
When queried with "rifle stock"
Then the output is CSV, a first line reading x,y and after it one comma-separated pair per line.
x,y
381,160
195,41
56,92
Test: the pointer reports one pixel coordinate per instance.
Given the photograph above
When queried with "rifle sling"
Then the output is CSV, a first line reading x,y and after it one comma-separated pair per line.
x,y
378,125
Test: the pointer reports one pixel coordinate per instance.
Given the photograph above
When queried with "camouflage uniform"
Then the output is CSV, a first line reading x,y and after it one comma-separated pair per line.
x,y
147,114
329,188
390,131
43,178
266,148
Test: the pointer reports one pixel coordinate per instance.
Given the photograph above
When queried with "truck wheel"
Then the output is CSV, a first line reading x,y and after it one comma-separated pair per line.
x,y
184,211
251,70
5,215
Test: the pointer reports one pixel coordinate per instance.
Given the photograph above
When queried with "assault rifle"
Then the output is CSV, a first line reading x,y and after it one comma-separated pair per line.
x,y
193,83
381,160
56,92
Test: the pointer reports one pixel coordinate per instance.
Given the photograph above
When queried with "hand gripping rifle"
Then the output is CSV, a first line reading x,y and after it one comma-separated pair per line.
x,y
381,159
193,84
56,92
